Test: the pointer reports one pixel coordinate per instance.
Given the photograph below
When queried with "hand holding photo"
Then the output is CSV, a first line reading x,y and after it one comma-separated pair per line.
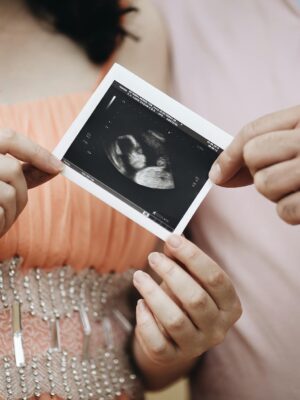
x,y
142,152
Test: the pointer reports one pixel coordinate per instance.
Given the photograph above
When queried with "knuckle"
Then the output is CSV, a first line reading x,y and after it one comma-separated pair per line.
x,y
170,268
289,212
237,310
262,182
36,151
149,290
15,167
216,278
143,325
199,349
217,337
197,300
8,193
249,130
192,253
265,183
176,323
249,153
158,349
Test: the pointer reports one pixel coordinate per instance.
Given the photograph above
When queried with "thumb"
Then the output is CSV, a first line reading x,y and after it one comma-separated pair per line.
x,y
34,176
229,168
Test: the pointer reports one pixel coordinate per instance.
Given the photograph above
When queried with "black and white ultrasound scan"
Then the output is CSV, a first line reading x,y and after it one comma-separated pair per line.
x,y
153,164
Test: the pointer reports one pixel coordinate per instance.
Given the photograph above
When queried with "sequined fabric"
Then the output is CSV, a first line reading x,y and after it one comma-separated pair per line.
x,y
75,329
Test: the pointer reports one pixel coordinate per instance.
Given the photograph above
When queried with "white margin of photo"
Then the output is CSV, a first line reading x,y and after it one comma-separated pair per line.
x,y
169,106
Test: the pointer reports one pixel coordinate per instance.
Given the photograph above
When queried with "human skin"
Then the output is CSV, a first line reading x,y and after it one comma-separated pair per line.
x,y
190,312
267,153
15,180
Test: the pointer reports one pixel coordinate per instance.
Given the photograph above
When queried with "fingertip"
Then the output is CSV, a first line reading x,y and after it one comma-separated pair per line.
x,y
174,241
141,304
223,168
154,258
226,168
215,173
57,164
139,278
135,279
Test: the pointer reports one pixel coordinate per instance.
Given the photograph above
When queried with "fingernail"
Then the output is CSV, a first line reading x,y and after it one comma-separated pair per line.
x,y
174,241
56,163
141,304
154,258
215,173
140,277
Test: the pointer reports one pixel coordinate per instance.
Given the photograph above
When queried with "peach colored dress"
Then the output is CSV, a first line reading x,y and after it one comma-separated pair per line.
x,y
63,225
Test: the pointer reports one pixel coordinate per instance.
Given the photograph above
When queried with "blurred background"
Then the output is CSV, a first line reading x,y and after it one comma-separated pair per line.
x,y
174,392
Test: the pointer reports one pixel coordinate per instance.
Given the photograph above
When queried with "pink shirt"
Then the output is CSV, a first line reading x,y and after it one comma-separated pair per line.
x,y
232,62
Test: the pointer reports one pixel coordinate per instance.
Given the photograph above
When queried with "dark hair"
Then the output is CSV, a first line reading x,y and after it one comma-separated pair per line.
x,y
96,25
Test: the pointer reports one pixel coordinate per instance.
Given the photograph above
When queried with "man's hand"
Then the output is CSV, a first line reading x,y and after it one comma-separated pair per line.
x,y
267,153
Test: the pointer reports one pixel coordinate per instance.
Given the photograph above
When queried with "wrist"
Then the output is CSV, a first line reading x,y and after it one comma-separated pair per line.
x,y
157,375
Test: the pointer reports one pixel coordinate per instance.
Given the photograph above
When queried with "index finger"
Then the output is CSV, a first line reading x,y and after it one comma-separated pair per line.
x,y
230,162
213,279
26,150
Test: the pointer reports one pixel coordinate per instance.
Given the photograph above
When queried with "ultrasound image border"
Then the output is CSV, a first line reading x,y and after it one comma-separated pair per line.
x,y
162,101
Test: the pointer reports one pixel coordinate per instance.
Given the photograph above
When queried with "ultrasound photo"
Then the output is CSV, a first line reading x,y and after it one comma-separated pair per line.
x,y
143,159
142,155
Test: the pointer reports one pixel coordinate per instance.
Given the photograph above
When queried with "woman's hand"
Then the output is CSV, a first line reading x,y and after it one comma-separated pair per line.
x,y
186,315
16,178
267,153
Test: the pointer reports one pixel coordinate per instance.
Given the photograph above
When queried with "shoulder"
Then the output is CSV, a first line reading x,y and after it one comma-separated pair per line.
x,y
149,56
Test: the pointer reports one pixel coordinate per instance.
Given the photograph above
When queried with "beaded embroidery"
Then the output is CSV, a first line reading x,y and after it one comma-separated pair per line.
x,y
103,373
